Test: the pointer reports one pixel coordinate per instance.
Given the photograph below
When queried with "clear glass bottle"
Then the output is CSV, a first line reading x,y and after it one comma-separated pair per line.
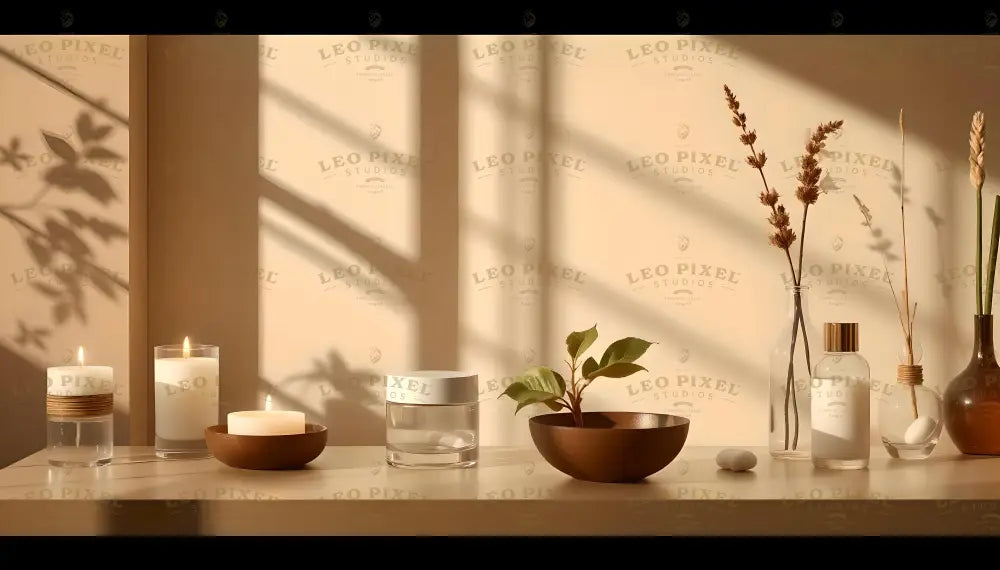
x,y
792,359
841,414
432,419
910,415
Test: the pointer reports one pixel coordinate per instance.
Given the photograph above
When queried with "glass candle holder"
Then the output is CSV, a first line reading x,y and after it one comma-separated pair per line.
x,y
432,419
186,398
79,406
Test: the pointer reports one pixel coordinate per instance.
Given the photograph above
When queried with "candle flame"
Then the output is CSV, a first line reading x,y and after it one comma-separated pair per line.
x,y
267,403
187,347
79,355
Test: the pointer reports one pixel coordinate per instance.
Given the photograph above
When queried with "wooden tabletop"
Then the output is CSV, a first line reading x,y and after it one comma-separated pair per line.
x,y
513,491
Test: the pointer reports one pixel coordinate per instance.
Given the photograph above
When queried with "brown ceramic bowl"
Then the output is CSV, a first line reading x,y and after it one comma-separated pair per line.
x,y
612,447
266,451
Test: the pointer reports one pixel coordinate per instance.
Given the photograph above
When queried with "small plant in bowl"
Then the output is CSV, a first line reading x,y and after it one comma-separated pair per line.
x,y
612,447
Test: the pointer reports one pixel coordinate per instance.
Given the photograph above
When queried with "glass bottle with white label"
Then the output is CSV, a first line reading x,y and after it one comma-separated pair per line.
x,y
840,401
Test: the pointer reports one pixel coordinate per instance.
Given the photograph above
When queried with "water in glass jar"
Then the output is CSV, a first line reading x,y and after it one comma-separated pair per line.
x,y
80,442
432,436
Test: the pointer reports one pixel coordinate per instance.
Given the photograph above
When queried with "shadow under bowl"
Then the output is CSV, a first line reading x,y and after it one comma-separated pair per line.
x,y
611,447
292,451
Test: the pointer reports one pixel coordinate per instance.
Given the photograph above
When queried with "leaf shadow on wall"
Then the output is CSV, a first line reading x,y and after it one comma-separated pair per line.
x,y
59,239
57,242
348,395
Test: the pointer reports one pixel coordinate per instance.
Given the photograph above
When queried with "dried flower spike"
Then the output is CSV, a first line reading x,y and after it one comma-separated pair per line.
x,y
783,237
808,177
977,146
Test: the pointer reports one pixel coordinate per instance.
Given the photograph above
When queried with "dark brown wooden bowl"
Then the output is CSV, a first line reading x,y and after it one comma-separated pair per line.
x,y
612,447
266,451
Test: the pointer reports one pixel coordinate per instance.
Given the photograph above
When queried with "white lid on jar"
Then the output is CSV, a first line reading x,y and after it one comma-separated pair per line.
x,y
432,387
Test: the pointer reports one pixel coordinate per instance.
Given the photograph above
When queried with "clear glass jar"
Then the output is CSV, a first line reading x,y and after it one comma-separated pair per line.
x,y
910,415
432,419
792,359
841,402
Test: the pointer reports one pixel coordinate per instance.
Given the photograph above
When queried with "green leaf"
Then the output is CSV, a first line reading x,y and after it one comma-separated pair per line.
x,y
628,349
544,379
589,366
525,396
537,385
578,342
616,370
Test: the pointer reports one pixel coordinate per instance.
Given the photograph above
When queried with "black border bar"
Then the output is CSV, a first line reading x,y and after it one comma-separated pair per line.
x,y
494,18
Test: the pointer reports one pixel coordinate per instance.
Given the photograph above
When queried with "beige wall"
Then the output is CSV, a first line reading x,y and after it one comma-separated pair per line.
x,y
348,275
64,222
426,251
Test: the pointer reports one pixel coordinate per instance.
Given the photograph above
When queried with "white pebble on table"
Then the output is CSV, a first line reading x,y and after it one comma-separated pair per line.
x,y
734,459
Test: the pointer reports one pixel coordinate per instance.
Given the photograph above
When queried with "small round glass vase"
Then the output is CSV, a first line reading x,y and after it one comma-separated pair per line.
x,y
910,416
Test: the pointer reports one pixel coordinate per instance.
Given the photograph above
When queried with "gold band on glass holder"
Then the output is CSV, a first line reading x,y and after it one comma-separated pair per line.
x,y
79,406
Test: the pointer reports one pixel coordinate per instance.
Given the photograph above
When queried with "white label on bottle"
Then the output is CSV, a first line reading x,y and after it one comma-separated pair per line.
x,y
840,418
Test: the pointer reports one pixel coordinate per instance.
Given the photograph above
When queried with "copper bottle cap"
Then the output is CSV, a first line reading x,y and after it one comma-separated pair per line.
x,y
840,337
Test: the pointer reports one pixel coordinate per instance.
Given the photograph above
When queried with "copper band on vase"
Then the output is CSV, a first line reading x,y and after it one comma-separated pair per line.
x,y
79,406
910,374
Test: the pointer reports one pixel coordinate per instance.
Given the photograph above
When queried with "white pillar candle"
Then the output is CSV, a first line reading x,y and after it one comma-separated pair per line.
x,y
80,380
186,396
266,422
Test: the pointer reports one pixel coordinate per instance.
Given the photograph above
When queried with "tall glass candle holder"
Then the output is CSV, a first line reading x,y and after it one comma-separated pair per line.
x,y
79,409
186,398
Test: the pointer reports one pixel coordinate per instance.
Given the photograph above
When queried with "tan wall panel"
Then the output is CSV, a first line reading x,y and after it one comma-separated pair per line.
x,y
64,222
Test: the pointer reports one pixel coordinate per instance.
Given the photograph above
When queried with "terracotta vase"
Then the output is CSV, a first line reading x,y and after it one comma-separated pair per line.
x,y
972,399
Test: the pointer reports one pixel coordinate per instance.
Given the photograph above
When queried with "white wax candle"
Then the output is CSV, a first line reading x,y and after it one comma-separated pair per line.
x,y
266,422
80,380
187,396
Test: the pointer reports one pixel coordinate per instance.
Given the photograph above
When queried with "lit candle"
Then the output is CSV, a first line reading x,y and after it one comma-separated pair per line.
x,y
79,406
186,391
80,380
266,422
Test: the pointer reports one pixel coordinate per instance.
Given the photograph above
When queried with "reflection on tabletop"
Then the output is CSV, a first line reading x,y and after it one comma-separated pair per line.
x,y
360,473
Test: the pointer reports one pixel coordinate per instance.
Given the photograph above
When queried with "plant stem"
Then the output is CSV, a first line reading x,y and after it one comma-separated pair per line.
x,y
979,250
574,397
802,239
805,345
991,269
789,393
796,280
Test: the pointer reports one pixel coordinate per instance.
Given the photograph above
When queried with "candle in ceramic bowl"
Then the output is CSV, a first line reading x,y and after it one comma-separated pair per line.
x,y
266,422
